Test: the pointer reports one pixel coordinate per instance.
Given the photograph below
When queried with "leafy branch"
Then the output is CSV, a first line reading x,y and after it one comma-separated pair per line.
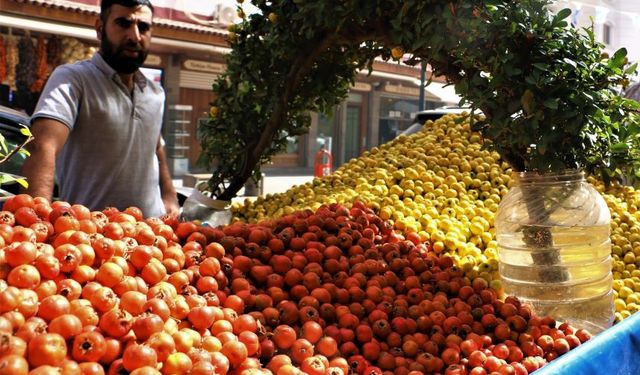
x,y
548,92
7,154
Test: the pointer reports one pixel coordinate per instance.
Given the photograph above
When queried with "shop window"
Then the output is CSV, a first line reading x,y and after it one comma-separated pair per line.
x,y
396,114
352,136
325,131
354,98
606,34
293,145
153,74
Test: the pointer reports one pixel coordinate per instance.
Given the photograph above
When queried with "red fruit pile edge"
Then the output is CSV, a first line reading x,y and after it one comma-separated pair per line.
x,y
334,291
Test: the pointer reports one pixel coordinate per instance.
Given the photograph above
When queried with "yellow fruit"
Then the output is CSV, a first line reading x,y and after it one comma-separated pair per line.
x,y
442,184
619,305
397,53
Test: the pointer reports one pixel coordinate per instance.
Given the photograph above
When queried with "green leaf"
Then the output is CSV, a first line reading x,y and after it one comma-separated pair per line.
x,y
619,58
551,103
619,147
570,62
25,131
23,182
564,13
631,69
528,101
540,66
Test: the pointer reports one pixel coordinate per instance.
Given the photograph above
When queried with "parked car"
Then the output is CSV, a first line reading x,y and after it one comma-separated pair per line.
x,y
432,114
11,123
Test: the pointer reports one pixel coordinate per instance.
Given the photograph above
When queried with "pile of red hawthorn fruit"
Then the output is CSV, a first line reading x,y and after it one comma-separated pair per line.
x,y
335,291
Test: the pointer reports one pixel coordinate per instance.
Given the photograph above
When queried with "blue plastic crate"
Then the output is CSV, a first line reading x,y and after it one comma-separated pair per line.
x,y
615,351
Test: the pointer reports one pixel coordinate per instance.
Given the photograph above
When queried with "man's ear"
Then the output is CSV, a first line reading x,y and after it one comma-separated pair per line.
x,y
99,27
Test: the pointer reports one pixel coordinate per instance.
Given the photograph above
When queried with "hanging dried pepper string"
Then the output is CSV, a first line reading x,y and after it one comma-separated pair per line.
x,y
54,48
3,60
41,66
12,61
26,69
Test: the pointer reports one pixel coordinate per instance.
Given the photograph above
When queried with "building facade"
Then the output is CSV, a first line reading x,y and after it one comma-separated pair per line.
x,y
616,23
188,54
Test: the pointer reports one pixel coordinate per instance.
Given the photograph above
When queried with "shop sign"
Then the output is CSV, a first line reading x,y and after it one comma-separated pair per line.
x,y
403,90
153,60
204,66
361,86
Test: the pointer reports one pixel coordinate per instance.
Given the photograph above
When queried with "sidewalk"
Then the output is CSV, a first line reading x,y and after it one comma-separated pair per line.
x,y
281,179
275,181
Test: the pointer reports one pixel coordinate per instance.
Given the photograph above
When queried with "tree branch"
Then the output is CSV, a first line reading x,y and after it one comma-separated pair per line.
x,y
16,150
299,70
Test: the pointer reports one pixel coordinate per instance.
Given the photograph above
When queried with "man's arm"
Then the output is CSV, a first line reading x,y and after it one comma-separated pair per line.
x,y
49,137
168,191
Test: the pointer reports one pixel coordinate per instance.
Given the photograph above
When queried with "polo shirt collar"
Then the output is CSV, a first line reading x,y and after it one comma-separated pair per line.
x,y
108,71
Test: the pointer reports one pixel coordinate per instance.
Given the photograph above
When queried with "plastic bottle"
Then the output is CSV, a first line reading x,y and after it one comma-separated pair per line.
x,y
206,210
554,248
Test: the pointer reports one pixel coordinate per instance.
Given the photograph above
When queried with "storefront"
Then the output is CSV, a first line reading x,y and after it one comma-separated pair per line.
x,y
378,107
345,131
187,56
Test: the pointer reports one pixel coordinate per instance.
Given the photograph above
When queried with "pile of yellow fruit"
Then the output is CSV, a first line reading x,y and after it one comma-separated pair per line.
x,y
623,202
441,184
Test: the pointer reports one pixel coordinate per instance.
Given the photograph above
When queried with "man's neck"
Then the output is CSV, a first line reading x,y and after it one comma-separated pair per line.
x,y
127,79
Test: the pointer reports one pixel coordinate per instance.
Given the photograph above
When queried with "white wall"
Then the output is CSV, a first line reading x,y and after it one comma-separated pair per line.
x,y
623,17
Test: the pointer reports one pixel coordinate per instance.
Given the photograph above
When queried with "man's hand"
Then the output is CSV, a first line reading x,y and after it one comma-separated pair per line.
x,y
168,191
171,205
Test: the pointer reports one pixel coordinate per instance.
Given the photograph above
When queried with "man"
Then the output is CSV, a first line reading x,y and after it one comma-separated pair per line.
x,y
97,124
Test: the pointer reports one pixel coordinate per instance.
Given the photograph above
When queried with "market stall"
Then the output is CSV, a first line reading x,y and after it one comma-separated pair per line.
x,y
399,262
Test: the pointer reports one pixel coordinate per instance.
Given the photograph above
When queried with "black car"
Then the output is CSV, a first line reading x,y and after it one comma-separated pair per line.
x,y
12,123
433,114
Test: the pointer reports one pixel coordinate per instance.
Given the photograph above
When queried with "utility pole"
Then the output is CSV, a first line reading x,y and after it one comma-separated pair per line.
x,y
423,74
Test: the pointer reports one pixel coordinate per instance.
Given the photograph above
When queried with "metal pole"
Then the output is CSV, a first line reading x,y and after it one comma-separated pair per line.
x,y
423,73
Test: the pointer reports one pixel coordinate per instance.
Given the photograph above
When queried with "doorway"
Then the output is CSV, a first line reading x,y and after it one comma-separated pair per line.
x,y
352,147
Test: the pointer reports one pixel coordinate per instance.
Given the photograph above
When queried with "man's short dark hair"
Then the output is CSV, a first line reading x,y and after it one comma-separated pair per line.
x,y
105,6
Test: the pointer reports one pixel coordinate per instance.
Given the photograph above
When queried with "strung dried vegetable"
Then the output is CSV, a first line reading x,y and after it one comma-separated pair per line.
x,y
12,61
72,51
41,66
3,60
26,69
54,49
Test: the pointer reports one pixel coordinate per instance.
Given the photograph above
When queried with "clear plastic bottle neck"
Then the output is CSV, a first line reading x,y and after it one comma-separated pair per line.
x,y
568,176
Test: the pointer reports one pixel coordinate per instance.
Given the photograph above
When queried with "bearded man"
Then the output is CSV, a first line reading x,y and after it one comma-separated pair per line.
x,y
97,125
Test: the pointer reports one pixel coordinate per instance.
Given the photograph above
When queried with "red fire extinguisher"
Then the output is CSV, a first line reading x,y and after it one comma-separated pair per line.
x,y
322,163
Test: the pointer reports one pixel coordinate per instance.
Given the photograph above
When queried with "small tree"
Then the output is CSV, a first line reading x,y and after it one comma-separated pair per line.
x,y
547,90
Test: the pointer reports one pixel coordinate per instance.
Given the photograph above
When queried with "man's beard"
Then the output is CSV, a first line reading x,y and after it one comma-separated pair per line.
x,y
114,56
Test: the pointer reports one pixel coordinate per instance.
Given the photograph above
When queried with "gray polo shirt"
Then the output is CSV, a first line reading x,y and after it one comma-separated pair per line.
x,y
110,156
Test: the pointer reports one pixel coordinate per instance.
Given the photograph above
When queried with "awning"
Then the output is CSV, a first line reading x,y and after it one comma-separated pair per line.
x,y
447,94
412,90
87,33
